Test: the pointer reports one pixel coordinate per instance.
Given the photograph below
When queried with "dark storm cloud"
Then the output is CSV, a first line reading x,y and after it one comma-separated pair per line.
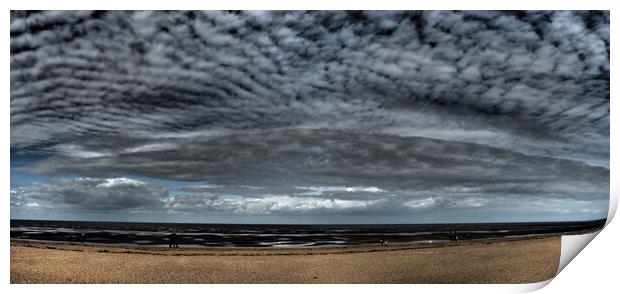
x,y
535,82
313,112
327,163
88,194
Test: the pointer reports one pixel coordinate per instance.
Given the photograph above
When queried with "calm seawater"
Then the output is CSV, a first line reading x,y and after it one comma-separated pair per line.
x,y
248,235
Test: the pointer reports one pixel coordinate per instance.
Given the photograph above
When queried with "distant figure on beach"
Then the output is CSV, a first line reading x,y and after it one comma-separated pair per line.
x,y
173,239
82,237
456,236
383,242
453,235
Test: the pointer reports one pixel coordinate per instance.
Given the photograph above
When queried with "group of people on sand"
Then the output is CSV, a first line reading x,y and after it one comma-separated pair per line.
x,y
456,236
173,238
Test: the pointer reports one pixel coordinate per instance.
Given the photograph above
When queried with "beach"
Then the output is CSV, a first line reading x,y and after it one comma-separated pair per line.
x,y
521,260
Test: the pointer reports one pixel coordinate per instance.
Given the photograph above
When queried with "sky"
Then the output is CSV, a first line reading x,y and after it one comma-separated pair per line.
x,y
310,117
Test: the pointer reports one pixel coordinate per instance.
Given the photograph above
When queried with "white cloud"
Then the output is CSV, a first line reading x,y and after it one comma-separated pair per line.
x,y
424,203
151,147
470,202
120,182
287,204
320,190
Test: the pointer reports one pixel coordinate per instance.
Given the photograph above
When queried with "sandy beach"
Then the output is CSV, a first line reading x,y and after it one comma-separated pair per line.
x,y
501,261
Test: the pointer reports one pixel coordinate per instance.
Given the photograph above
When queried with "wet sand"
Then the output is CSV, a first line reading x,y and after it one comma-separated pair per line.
x,y
500,261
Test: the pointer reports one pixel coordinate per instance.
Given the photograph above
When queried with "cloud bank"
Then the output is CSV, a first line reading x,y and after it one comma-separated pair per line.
x,y
304,112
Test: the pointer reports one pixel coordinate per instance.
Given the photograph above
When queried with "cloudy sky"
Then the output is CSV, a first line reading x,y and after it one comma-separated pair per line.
x,y
310,117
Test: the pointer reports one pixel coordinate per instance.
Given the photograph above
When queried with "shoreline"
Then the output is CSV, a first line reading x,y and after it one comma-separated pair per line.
x,y
411,245
209,250
524,260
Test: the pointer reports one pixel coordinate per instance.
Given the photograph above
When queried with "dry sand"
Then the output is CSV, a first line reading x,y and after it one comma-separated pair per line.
x,y
506,261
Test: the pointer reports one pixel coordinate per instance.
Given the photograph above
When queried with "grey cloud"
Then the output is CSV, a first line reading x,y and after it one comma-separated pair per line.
x,y
328,163
112,196
529,76
280,112
89,194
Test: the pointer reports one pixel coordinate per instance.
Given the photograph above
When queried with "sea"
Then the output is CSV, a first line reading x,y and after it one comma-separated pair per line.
x,y
267,235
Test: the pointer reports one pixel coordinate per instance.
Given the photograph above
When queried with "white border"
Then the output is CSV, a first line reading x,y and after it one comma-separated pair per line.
x,y
594,268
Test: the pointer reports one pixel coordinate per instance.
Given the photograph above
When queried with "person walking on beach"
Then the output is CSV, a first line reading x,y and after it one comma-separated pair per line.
x,y
173,239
